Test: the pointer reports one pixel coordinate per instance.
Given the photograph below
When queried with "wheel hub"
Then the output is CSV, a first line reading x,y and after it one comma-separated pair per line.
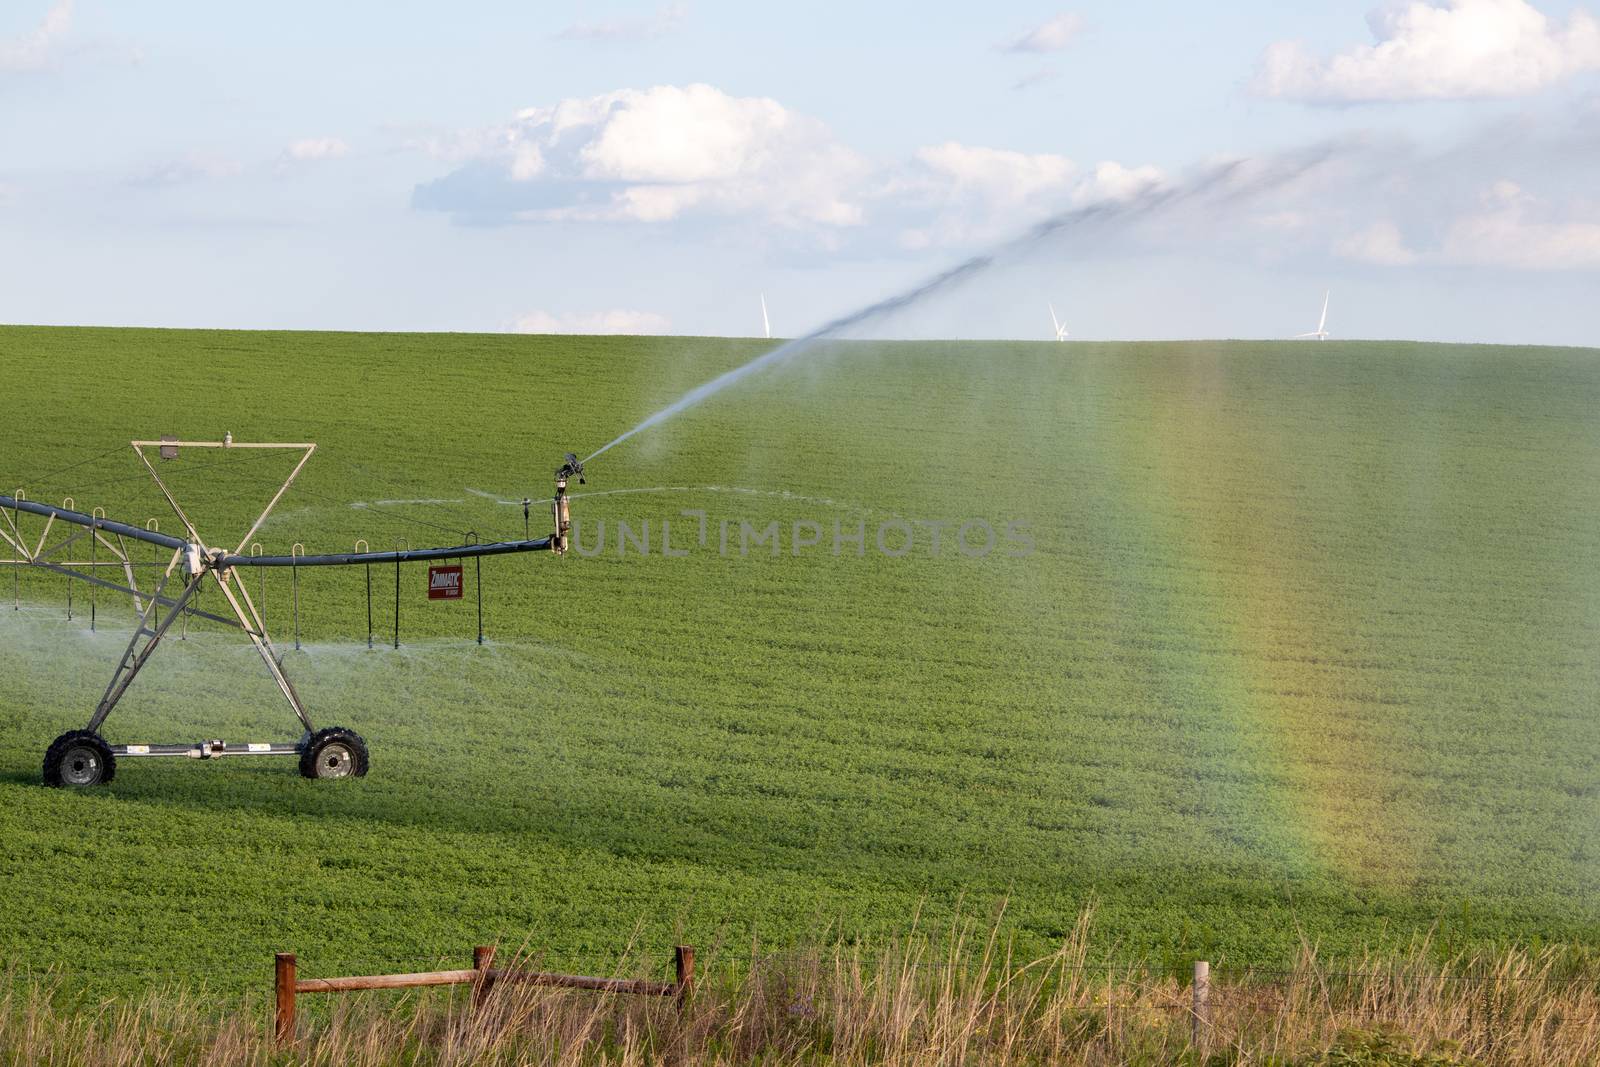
x,y
334,761
81,766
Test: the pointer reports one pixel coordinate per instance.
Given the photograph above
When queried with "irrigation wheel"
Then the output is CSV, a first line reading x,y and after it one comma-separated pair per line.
x,y
334,753
79,759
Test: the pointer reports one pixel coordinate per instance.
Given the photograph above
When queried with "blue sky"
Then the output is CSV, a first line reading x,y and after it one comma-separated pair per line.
x,y
655,167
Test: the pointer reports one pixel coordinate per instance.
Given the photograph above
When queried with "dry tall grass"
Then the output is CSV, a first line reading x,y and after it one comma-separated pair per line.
x,y
923,1001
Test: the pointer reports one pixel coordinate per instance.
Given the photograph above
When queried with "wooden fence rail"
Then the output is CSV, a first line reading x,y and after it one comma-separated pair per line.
x,y
482,977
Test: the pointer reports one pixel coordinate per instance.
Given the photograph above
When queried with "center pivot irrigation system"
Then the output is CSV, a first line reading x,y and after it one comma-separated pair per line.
x,y
82,757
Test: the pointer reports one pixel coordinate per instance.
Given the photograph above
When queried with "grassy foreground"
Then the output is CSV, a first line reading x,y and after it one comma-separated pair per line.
x,y
917,1001
1303,652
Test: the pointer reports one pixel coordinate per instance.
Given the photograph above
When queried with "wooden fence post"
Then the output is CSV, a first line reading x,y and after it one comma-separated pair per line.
x,y
482,978
683,964
284,987
1200,1025
482,961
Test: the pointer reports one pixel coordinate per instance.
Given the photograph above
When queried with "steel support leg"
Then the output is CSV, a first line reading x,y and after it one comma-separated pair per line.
x,y
129,666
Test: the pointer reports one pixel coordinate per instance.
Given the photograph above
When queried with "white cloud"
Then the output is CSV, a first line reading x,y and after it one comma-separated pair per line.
x,y
617,320
316,148
1507,228
979,194
1439,51
1381,243
1111,180
38,49
1050,36
527,162
696,134
955,194
998,179
655,155
694,153
663,22
1511,230
996,175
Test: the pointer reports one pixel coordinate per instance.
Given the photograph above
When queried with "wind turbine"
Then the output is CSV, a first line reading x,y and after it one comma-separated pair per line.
x,y
1321,332
1061,329
766,323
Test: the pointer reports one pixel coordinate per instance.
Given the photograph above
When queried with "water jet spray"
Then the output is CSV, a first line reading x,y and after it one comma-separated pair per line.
x,y
1226,182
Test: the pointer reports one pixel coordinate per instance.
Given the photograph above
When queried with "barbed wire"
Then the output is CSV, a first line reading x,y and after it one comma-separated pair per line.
x,y
1409,976
1136,975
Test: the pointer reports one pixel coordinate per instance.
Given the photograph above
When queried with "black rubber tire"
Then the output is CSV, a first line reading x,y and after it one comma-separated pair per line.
x,y
79,759
334,753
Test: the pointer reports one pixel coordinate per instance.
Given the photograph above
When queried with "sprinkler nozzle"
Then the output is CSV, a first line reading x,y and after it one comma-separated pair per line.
x,y
571,469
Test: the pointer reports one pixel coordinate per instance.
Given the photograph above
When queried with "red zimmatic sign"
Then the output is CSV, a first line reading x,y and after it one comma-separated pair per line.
x,y
444,583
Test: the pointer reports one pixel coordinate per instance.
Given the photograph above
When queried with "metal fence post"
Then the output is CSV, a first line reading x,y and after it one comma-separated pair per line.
x,y
284,983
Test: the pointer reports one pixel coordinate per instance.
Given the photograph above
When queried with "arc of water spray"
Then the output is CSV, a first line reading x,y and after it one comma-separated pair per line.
x,y
1233,180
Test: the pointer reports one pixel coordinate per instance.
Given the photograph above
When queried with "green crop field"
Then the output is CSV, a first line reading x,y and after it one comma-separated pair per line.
x,y
1288,642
